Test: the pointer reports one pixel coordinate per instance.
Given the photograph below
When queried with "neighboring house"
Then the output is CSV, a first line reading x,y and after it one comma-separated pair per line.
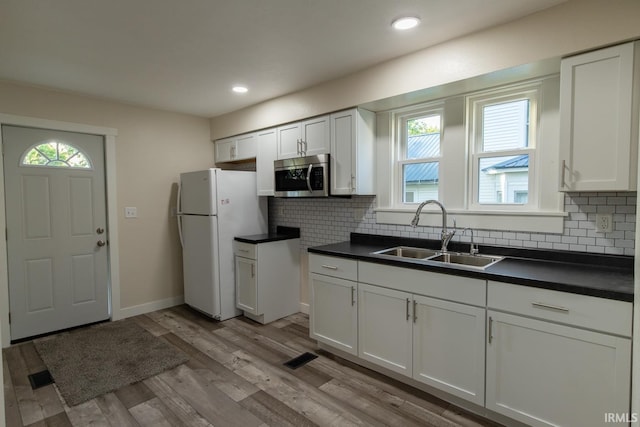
x,y
503,179
506,181
421,179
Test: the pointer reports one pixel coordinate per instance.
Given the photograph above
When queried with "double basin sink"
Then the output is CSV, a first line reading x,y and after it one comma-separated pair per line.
x,y
475,261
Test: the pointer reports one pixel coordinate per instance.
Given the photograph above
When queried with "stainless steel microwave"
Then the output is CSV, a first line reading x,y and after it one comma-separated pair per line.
x,y
302,176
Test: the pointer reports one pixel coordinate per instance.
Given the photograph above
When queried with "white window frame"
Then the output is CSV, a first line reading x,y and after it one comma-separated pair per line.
x,y
401,118
475,105
455,167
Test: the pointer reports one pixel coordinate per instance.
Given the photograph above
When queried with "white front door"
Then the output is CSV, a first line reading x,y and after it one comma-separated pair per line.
x,y
56,229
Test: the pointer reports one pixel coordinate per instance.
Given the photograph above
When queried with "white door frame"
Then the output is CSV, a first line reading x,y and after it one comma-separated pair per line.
x,y
112,218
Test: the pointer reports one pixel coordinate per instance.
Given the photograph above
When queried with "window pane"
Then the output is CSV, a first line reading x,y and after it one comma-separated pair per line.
x,y
423,137
504,179
505,126
56,154
420,181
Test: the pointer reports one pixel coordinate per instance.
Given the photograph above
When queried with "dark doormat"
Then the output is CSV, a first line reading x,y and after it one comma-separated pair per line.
x,y
301,360
92,361
40,379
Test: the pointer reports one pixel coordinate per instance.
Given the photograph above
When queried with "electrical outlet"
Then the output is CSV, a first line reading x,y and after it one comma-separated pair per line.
x,y
358,214
604,223
281,211
130,212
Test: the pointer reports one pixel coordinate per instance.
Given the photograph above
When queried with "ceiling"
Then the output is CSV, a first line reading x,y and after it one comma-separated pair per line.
x,y
185,55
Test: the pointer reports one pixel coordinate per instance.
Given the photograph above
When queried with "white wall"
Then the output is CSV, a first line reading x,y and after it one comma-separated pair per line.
x,y
152,148
571,27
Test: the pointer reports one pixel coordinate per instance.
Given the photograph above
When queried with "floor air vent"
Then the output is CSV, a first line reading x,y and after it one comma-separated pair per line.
x,y
301,360
40,379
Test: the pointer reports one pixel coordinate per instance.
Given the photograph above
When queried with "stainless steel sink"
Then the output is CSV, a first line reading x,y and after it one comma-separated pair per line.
x,y
467,260
407,252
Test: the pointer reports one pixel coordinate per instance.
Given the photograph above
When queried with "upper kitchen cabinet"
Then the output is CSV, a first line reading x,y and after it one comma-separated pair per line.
x,y
241,147
352,152
306,138
267,152
599,93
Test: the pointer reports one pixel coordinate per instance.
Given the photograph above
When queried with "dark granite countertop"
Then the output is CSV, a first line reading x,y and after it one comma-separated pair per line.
x,y
282,233
605,276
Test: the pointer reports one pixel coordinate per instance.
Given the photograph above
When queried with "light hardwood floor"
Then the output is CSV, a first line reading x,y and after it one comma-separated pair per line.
x,y
235,377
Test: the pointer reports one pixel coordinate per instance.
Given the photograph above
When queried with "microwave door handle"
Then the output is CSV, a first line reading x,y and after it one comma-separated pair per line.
x,y
309,178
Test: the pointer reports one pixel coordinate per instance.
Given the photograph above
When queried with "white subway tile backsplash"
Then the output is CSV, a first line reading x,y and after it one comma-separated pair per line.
x,y
324,221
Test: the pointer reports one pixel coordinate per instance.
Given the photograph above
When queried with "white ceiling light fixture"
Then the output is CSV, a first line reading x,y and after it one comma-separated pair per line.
x,y
405,23
240,89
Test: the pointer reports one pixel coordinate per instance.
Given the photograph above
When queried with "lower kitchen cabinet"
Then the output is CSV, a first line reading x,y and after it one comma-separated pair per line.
x,y
547,374
538,356
333,311
448,347
267,279
384,327
437,342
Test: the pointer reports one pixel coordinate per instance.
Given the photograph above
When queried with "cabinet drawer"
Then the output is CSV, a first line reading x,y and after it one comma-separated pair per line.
x,y
343,268
444,286
246,250
585,311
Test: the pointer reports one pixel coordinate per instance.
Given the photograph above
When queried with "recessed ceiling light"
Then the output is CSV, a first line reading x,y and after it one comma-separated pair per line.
x,y
240,89
405,22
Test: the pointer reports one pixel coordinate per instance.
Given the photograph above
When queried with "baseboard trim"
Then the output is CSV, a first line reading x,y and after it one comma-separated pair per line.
x,y
304,308
148,307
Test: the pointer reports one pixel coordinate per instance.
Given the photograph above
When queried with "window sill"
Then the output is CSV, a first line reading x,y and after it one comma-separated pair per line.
x,y
535,222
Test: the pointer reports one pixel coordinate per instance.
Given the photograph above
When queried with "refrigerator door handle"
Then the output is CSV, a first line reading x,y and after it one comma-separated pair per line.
x,y
179,218
178,201
179,213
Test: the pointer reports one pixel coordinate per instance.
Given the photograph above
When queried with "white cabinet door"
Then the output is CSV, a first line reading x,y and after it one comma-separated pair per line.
x,y
448,347
246,285
599,120
352,152
289,141
245,147
384,327
225,150
239,147
545,374
316,136
266,153
333,312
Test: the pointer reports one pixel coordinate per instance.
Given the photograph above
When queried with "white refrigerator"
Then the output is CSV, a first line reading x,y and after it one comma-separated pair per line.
x,y
214,206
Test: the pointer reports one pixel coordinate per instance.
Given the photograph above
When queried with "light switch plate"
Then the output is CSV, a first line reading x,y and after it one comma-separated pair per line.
x,y
604,223
130,212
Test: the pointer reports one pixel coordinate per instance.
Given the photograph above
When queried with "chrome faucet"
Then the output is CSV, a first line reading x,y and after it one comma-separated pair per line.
x,y
473,248
446,235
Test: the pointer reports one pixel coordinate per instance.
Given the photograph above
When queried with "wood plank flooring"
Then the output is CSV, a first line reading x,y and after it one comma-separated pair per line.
x,y
234,377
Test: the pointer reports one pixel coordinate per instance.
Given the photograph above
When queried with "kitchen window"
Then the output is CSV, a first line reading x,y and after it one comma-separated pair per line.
x,y
493,162
502,142
418,165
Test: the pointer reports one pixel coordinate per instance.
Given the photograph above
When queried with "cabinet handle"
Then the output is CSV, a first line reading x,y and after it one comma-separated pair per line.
x,y
550,306
233,152
415,311
253,270
243,250
353,296
353,183
408,315
564,167
490,334
299,144
330,267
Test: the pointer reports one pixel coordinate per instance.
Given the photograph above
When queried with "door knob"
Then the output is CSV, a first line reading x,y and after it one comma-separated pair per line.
x,y
100,230
101,243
